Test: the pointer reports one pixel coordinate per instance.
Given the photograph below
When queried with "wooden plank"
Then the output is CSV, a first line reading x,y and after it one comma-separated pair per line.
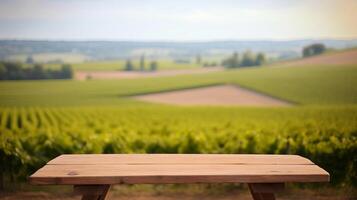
x,y
92,192
131,174
265,191
90,189
266,187
192,159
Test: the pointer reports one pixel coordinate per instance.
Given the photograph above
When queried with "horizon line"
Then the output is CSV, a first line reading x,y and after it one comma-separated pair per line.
x,y
176,41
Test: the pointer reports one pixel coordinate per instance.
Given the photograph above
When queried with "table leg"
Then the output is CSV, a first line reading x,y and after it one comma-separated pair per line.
x,y
92,192
265,191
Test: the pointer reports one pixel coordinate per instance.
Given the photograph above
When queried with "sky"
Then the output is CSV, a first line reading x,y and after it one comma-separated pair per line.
x,y
181,20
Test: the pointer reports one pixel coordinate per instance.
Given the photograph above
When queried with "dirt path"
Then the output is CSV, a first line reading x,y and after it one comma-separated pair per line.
x,y
83,75
214,95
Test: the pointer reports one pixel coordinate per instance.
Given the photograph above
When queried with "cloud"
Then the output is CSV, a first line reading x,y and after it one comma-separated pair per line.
x,y
158,19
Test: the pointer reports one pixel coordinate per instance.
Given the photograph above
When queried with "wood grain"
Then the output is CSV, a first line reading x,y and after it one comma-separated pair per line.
x,y
93,174
177,159
211,173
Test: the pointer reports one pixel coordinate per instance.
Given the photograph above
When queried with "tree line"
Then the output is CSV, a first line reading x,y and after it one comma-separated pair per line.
x,y
248,59
313,50
129,66
16,71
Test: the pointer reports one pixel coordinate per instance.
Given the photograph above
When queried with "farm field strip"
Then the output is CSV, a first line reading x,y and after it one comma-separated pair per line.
x,y
346,57
303,85
83,75
116,65
221,95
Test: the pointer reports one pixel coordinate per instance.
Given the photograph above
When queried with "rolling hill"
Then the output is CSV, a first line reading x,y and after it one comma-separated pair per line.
x,y
344,57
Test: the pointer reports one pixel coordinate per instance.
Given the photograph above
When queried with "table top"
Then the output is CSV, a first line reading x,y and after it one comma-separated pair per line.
x,y
81,169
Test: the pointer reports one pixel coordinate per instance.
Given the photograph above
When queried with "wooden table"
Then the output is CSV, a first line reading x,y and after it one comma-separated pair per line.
x,y
93,174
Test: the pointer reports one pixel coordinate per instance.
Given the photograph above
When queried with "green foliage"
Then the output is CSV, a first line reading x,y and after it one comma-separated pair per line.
x,y
232,62
313,50
248,59
67,70
32,136
212,64
142,63
3,70
198,59
153,66
30,60
15,71
129,66
261,59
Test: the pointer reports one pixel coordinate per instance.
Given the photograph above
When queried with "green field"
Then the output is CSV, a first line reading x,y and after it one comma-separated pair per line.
x,y
42,119
115,65
304,85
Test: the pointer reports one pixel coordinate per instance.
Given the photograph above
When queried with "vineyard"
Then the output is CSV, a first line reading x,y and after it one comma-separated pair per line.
x,y
32,136
42,119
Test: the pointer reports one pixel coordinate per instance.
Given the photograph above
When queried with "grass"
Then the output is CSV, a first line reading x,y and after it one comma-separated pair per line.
x,y
115,65
42,119
327,53
319,85
305,85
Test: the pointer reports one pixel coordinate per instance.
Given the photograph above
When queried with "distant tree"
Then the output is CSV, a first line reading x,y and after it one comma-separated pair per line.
x,y
38,72
15,71
260,59
3,72
198,59
153,66
142,63
235,60
66,71
313,49
213,64
232,61
306,52
248,59
128,66
30,60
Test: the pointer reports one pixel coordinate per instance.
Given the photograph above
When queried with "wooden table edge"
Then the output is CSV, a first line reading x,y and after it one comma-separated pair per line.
x,y
262,187
113,180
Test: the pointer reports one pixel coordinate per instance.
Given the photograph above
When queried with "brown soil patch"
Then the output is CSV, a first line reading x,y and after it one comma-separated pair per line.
x,y
214,95
340,58
83,75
